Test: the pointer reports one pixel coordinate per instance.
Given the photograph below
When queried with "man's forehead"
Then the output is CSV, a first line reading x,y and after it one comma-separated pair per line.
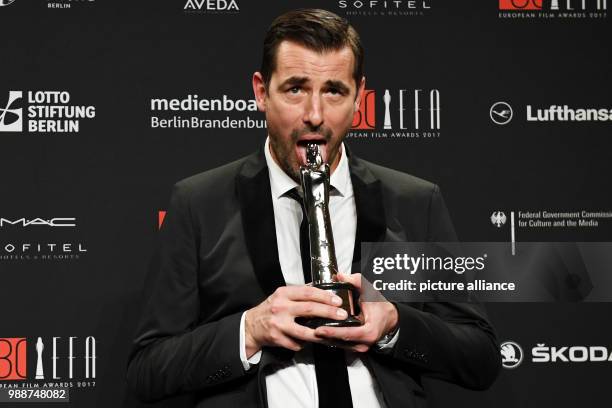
x,y
295,60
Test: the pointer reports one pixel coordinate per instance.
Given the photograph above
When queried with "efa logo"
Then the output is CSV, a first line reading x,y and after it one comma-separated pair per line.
x,y
13,363
520,4
365,117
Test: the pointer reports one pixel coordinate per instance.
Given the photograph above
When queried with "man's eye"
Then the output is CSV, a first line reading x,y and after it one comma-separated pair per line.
x,y
294,90
335,91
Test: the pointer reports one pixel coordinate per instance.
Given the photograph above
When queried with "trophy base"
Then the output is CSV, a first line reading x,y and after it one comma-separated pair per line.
x,y
344,291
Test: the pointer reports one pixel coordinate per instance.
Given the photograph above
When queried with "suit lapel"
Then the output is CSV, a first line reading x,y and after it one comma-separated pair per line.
x,y
371,222
253,184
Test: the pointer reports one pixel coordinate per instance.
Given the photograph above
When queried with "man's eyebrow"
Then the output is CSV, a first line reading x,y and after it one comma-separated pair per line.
x,y
293,81
338,85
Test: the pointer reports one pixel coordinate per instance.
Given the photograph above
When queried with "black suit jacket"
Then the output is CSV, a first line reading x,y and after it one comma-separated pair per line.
x,y
218,257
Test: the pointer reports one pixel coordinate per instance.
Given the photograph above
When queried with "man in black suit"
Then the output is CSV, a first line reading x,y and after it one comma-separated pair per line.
x,y
229,283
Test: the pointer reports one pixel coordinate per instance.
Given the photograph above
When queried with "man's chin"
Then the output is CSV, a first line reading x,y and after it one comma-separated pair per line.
x,y
292,170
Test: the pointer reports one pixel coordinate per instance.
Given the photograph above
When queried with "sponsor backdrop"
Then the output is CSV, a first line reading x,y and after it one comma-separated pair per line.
x,y
104,105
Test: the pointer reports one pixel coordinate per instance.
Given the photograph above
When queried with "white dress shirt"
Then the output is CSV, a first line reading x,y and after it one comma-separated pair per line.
x,y
294,384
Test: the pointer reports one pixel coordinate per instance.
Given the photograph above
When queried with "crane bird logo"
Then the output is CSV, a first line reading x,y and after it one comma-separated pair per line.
x,y
501,113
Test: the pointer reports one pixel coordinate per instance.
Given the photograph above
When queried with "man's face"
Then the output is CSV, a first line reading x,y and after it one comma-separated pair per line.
x,y
311,98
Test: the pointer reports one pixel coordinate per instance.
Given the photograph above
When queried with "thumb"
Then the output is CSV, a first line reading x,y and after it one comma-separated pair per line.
x,y
354,279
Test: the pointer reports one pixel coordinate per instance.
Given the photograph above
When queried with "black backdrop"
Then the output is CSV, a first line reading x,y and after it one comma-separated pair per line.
x,y
114,175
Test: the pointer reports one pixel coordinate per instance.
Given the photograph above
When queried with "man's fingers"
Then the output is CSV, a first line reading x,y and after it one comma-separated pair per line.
x,y
284,341
312,294
314,309
354,279
360,334
302,333
290,344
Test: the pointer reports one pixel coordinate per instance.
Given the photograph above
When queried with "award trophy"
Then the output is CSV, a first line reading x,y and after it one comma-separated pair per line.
x,y
324,266
40,375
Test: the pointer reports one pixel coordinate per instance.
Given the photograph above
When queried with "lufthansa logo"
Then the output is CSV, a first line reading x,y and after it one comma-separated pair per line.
x,y
501,113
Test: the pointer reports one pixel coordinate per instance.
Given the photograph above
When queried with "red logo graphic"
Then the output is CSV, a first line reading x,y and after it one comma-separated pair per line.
x,y
160,218
365,117
520,4
13,359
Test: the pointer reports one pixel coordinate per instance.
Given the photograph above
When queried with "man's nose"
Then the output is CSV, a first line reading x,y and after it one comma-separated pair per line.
x,y
313,113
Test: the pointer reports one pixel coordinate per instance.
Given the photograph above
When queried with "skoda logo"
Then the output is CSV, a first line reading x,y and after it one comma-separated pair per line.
x,y
511,354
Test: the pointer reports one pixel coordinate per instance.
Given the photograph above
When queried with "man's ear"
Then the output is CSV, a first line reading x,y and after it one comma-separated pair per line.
x,y
259,89
360,92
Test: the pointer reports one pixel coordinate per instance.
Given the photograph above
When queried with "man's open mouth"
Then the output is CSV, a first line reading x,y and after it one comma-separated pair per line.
x,y
302,143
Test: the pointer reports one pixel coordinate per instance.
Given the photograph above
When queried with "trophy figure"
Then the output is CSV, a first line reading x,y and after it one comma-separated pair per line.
x,y
387,100
40,375
324,266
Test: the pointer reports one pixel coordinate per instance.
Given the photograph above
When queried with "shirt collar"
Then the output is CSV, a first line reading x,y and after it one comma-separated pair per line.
x,y
281,183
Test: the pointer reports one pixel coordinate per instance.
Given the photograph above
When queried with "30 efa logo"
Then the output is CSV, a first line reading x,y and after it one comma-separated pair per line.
x,y
553,5
520,4
553,10
14,356
365,117
404,112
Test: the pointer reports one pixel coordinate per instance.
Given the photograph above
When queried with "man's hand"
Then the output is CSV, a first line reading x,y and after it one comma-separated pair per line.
x,y
379,318
272,322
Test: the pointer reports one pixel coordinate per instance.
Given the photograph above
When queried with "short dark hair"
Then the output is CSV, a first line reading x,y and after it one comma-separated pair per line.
x,y
316,29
